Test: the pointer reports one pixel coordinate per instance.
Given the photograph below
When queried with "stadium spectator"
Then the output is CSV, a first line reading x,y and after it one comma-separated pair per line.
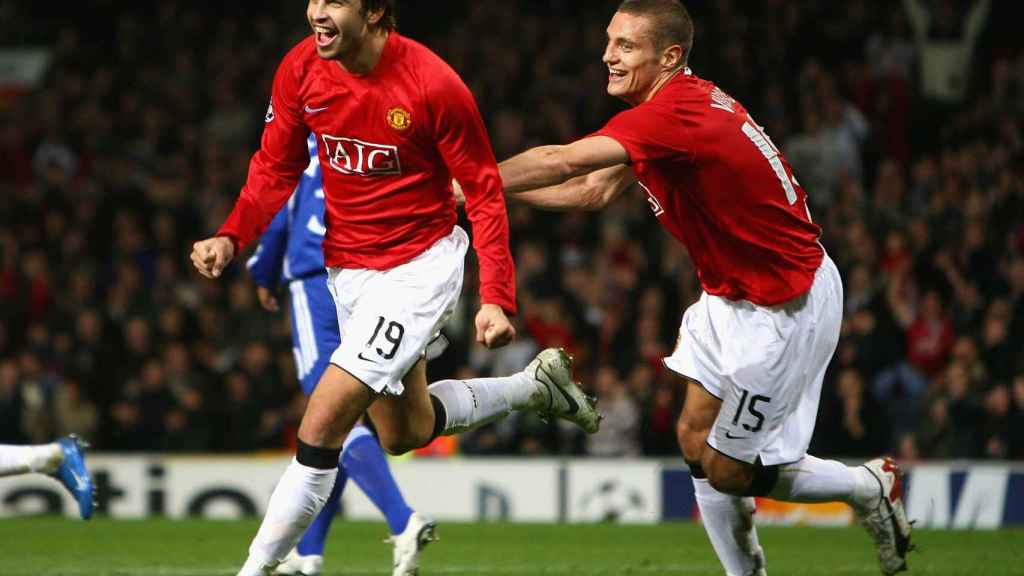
x,y
619,434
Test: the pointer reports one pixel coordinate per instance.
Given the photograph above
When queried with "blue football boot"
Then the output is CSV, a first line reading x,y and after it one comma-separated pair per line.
x,y
73,475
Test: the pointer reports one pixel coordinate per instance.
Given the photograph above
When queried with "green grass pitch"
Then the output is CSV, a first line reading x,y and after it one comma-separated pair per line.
x,y
56,546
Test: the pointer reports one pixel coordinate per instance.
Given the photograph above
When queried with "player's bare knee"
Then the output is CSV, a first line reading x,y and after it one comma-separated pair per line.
x,y
392,443
315,428
728,483
728,476
398,444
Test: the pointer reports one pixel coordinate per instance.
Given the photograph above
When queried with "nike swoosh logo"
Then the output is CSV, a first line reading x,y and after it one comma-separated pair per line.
x,y
574,407
79,481
731,437
315,110
365,359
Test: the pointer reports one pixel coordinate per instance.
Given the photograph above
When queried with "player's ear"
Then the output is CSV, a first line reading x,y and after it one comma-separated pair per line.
x,y
672,57
374,15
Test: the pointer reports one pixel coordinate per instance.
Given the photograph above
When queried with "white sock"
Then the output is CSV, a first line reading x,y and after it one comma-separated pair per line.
x,y
297,499
43,458
473,403
729,522
816,480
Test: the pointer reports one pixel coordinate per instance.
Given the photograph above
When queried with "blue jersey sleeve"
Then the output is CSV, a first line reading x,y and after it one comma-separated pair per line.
x,y
266,264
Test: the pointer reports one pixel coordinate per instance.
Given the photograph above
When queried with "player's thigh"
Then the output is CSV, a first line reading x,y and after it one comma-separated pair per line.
x,y
335,406
405,422
696,419
315,333
390,317
773,360
760,386
817,346
695,360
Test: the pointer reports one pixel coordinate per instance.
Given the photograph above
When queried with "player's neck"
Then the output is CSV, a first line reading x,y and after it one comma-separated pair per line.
x,y
365,58
663,79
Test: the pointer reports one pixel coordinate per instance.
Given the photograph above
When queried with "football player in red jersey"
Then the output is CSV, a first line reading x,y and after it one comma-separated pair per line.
x,y
754,349
394,124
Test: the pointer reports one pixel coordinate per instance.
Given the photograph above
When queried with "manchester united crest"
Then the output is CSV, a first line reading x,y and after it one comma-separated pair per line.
x,y
399,119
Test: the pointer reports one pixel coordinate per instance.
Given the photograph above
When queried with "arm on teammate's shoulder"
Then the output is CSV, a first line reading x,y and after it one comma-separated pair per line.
x,y
546,166
591,191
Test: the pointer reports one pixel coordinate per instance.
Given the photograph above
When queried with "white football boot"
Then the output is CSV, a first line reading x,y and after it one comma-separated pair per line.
x,y
296,565
557,394
254,568
418,533
885,518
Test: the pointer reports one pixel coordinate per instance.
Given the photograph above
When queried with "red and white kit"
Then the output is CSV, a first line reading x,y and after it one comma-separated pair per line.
x,y
389,143
763,332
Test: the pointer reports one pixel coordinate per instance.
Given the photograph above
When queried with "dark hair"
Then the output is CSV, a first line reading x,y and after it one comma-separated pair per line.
x,y
388,20
671,22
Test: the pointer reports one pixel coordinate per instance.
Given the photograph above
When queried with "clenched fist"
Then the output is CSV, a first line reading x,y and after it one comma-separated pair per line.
x,y
212,255
493,329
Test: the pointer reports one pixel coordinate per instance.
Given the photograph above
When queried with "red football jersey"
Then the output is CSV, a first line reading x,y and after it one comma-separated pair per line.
x,y
389,143
717,182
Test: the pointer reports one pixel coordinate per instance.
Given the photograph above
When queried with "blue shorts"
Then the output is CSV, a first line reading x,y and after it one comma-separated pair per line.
x,y
315,334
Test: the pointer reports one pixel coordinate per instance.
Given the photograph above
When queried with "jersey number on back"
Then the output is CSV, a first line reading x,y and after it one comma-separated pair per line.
x,y
771,153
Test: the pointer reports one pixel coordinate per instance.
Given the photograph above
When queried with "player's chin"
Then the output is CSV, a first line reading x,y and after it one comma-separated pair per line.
x,y
329,52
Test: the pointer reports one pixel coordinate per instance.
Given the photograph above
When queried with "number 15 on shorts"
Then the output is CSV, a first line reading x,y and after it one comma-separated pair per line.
x,y
747,416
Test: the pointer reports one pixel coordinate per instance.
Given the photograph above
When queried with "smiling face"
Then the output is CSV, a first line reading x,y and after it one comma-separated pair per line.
x,y
339,25
634,62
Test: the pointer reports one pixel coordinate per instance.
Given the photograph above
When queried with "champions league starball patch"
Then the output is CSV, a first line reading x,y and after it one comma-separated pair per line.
x,y
270,112
399,119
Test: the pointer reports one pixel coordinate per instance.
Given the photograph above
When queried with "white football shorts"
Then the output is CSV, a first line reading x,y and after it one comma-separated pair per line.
x,y
766,364
389,317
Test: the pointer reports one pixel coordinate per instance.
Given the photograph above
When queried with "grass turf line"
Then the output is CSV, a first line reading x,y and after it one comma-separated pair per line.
x,y
57,546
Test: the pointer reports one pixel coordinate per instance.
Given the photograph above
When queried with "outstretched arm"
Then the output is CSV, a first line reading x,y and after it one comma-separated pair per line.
x,y
592,191
546,166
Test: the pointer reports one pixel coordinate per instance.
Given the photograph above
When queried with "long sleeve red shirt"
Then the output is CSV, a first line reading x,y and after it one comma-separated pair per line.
x,y
389,142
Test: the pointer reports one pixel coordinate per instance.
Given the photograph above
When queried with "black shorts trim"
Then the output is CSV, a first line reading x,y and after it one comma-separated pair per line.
x,y
357,379
733,458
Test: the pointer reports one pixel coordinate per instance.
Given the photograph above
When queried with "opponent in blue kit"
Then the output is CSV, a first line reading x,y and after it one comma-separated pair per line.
x,y
290,253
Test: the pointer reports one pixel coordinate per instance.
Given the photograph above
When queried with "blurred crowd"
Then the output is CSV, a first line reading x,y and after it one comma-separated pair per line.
x,y
902,120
